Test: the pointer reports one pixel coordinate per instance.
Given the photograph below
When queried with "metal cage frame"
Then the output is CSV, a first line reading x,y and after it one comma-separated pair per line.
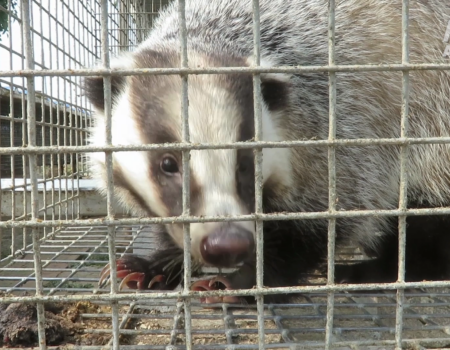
x,y
52,223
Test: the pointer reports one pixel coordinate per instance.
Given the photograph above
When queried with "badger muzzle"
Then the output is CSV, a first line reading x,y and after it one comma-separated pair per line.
x,y
227,246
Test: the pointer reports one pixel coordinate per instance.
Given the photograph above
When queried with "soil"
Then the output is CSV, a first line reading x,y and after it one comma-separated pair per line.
x,y
208,328
63,325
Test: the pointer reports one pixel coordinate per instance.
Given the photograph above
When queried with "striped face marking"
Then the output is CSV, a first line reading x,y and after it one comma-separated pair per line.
x,y
221,181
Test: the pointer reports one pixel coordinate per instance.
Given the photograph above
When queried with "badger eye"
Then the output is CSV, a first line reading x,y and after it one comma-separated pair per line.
x,y
243,167
169,165
245,164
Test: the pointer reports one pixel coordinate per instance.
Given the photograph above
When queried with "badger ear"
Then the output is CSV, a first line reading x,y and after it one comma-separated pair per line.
x,y
275,90
275,87
93,86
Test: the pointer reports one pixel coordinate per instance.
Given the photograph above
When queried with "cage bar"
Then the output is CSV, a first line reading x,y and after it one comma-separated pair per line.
x,y
332,197
52,248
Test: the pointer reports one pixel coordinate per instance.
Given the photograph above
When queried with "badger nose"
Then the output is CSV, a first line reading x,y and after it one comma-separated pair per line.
x,y
227,246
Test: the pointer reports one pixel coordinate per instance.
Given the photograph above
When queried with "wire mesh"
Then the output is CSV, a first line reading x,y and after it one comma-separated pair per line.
x,y
53,248
71,263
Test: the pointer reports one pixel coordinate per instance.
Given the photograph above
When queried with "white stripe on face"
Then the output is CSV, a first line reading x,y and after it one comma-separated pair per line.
x,y
134,166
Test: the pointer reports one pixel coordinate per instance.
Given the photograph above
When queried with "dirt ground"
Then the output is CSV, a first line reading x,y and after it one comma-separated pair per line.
x,y
63,324
77,324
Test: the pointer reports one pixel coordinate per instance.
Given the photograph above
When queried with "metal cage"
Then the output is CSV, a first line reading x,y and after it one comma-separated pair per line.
x,y
57,232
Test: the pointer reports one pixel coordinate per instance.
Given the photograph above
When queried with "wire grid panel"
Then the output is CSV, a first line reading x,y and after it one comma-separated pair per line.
x,y
64,36
73,259
68,255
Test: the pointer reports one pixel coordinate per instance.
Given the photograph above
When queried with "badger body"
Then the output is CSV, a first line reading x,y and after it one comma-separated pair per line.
x,y
146,109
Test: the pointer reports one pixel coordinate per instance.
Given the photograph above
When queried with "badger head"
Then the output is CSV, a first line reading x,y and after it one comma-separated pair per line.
x,y
147,109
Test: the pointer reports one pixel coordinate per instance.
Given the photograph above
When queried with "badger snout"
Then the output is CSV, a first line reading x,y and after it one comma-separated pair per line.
x,y
228,246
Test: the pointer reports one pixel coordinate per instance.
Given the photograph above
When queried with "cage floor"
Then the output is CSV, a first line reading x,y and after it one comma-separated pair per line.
x,y
72,261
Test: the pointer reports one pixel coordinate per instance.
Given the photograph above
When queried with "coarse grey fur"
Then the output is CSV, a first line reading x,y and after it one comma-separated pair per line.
x,y
368,103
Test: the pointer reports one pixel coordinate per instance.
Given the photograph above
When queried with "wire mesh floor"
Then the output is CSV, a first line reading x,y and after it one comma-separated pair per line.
x,y
73,258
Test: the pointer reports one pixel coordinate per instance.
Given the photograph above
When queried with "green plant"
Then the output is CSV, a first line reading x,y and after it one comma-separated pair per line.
x,y
4,16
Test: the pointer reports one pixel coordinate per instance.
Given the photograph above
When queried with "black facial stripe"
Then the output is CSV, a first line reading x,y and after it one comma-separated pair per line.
x,y
170,189
171,186
148,95
151,117
245,180
156,128
242,88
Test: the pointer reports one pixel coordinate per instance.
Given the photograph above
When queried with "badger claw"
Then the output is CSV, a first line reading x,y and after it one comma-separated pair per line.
x,y
156,279
216,283
133,280
105,274
131,277
106,271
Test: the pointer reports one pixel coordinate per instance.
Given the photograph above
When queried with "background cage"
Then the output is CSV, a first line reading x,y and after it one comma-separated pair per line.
x,y
50,218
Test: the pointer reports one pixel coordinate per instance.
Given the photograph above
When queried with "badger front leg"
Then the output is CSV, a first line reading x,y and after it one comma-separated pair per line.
x,y
160,271
290,251
163,270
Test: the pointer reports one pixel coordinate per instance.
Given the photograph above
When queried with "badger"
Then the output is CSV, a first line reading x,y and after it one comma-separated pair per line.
x,y
146,110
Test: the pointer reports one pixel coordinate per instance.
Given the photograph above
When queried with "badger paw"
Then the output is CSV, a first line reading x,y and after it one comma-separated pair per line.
x,y
138,273
217,283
